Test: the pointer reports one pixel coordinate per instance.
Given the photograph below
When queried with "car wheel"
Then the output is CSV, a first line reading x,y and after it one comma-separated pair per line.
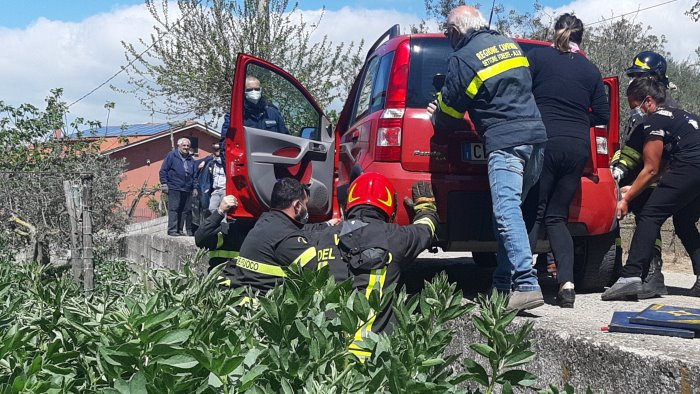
x,y
596,262
484,259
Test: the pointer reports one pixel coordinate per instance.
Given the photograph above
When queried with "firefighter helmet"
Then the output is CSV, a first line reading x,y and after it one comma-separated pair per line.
x,y
373,189
650,64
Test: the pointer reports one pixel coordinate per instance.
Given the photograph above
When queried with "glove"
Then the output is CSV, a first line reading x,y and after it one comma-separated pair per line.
x,y
164,189
618,173
423,198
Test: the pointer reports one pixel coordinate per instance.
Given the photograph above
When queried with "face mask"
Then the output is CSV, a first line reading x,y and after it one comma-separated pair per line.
x,y
253,96
303,215
636,116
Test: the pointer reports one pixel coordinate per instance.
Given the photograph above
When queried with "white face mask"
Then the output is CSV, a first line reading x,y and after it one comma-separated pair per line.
x,y
253,96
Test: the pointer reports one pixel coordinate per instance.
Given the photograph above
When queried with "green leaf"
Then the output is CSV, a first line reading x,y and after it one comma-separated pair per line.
x,y
519,358
180,361
432,362
249,378
517,377
477,373
507,388
483,349
176,337
137,384
230,364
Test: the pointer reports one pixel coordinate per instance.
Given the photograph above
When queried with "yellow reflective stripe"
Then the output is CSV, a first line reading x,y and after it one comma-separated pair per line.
x,y
491,71
261,268
305,257
618,241
228,254
322,264
631,152
428,222
447,109
219,240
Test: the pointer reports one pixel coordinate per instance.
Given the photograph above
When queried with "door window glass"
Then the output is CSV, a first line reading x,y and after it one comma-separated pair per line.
x,y
381,82
273,103
364,98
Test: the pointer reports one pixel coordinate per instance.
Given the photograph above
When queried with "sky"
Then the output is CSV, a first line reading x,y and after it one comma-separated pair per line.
x,y
76,44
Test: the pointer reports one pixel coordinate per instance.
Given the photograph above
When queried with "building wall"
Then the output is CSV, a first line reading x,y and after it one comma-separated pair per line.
x,y
143,165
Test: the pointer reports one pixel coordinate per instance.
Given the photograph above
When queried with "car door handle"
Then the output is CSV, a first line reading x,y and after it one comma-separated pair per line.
x,y
316,147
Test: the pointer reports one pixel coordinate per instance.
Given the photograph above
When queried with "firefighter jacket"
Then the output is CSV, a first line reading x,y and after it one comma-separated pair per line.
x,y
488,76
276,241
374,253
223,239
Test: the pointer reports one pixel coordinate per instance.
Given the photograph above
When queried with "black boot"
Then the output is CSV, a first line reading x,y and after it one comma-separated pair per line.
x,y
653,283
695,290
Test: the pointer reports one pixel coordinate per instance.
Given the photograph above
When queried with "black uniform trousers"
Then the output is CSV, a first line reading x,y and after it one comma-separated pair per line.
x,y
677,195
179,211
564,161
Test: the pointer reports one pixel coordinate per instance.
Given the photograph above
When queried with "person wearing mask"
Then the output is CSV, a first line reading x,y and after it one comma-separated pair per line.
x,y
258,112
372,250
213,181
277,240
675,134
565,85
488,76
176,180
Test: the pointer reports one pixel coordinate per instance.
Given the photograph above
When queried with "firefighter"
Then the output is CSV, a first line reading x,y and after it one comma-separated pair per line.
x,y
222,238
371,249
276,241
626,165
673,133
652,64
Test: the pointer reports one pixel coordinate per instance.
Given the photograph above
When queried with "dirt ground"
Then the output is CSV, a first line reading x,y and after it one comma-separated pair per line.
x,y
674,256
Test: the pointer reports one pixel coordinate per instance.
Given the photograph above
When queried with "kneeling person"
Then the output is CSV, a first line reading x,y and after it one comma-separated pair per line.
x,y
370,249
276,241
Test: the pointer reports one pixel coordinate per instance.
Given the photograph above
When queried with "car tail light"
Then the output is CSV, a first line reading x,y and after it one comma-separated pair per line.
x,y
601,147
389,135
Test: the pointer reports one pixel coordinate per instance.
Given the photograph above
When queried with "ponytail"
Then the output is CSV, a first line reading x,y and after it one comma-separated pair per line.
x,y
567,29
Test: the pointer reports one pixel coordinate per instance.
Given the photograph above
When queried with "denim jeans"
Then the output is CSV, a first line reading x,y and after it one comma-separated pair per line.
x,y
512,172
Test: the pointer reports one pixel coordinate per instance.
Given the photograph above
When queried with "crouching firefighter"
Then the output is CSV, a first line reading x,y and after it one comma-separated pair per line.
x,y
626,165
371,249
278,240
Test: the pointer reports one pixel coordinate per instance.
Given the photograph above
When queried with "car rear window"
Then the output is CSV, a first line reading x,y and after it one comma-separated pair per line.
x,y
429,57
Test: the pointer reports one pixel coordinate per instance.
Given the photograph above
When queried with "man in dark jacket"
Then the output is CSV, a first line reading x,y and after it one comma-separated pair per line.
x,y
488,76
373,251
278,240
176,180
257,111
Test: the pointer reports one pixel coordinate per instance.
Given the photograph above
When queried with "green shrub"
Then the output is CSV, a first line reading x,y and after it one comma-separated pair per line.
x,y
182,334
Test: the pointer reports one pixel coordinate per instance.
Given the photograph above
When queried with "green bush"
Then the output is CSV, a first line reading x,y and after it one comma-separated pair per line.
x,y
182,334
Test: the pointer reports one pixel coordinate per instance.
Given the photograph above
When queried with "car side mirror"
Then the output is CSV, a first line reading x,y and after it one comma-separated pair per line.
x,y
439,81
308,132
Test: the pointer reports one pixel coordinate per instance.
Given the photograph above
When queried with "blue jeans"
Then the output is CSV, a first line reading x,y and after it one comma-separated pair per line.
x,y
512,172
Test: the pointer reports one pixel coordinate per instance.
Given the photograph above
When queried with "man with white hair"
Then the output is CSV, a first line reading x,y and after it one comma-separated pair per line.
x,y
176,180
488,76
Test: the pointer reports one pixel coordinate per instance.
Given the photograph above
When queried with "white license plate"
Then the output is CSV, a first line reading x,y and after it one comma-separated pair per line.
x,y
473,151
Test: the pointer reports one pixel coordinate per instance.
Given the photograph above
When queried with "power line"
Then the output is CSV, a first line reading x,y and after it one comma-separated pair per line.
x,y
135,58
633,12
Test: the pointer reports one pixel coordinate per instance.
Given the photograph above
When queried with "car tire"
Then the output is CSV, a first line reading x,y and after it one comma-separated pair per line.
x,y
596,261
484,259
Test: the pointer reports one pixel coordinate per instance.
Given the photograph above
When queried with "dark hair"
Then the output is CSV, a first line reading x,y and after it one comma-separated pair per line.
x,y
642,87
285,191
568,28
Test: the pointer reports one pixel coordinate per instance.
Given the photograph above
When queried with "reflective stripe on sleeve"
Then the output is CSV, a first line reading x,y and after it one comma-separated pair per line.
x,y
305,257
447,109
219,240
427,221
261,268
492,71
228,254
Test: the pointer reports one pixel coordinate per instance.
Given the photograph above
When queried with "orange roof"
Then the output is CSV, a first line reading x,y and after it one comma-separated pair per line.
x,y
110,143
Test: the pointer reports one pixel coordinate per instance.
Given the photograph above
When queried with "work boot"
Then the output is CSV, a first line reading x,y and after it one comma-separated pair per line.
x,y
566,296
695,290
622,289
653,283
522,300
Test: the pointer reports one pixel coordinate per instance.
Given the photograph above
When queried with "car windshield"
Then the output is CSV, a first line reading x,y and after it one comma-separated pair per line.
x,y
429,57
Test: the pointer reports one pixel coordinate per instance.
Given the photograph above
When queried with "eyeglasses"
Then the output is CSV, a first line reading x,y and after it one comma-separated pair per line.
x,y
449,29
251,89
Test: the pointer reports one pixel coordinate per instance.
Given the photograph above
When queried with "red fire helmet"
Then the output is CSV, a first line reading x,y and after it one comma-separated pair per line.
x,y
373,189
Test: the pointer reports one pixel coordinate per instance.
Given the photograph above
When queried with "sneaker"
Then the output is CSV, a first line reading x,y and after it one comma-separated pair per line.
x,y
622,289
653,284
566,298
522,300
695,290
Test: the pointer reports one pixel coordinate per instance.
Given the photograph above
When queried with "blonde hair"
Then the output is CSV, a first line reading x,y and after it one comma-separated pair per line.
x,y
567,29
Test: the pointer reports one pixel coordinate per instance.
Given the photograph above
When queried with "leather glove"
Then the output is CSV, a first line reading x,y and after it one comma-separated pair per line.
x,y
164,189
423,198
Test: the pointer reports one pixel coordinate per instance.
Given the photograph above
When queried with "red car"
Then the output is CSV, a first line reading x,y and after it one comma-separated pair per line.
x,y
384,127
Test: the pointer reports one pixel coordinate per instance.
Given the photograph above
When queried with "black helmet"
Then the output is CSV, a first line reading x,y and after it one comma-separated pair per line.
x,y
648,63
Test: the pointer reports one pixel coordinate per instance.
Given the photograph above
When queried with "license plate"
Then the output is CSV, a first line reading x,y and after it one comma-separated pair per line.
x,y
473,151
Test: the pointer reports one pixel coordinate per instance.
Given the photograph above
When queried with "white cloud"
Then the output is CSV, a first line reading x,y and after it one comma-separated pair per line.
x,y
80,56
682,33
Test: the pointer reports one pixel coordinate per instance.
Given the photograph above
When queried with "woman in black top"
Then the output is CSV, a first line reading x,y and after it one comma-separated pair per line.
x,y
669,134
569,92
